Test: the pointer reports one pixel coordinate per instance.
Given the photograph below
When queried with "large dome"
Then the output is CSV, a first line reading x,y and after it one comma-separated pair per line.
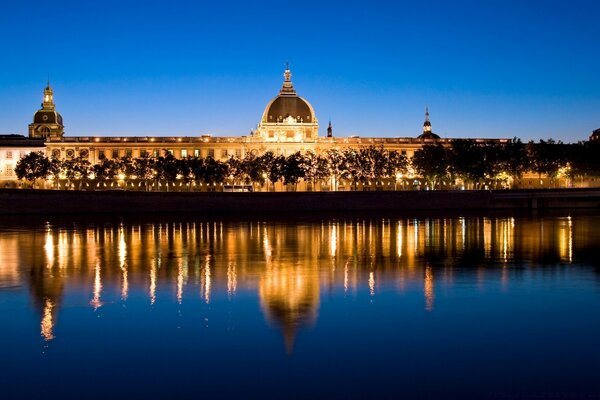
x,y
283,107
288,106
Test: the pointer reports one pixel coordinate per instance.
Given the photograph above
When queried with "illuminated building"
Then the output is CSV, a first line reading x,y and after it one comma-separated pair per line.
x,y
289,124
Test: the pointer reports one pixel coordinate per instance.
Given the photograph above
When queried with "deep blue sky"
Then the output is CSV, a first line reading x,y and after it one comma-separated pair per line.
x,y
485,68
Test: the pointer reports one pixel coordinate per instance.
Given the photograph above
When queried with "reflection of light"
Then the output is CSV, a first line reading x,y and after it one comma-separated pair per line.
x,y
346,277
153,282
63,249
47,325
428,289
371,283
266,245
399,239
49,248
179,283
122,263
487,236
463,231
231,279
333,241
96,303
570,239
566,240
205,281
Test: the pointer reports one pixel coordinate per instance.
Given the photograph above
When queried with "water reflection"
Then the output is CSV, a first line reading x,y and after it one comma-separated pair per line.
x,y
288,265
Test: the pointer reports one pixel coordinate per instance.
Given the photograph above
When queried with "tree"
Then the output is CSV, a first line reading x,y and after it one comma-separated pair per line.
x,y
32,167
274,166
166,168
468,160
431,162
142,168
546,157
105,170
315,168
215,171
254,168
396,166
338,166
76,169
293,169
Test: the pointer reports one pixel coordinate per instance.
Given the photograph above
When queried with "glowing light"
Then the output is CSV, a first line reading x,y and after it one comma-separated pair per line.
x,y
372,283
153,282
122,264
207,281
399,238
96,301
179,283
231,279
428,289
49,248
333,241
47,324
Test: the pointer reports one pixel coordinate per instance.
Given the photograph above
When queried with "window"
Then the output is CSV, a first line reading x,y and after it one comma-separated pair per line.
x,y
101,155
9,155
196,152
224,153
238,153
403,152
211,153
155,153
170,151
143,153
115,153
9,170
184,153
128,153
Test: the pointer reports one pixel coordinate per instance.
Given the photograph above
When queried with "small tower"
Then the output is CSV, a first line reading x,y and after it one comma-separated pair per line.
x,y
427,123
47,122
427,133
329,130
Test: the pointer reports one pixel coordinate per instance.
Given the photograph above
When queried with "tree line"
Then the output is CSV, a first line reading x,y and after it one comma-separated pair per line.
x,y
471,163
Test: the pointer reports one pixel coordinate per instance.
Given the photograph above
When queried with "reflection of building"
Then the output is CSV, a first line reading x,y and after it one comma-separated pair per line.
x,y
290,267
289,297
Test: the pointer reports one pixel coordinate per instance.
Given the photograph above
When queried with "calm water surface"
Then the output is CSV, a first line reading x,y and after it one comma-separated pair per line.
x,y
469,307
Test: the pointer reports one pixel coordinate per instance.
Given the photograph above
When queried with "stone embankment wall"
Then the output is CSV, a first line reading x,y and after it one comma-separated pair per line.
x,y
15,201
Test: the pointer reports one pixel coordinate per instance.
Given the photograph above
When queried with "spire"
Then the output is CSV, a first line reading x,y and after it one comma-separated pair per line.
x,y
330,129
288,88
427,123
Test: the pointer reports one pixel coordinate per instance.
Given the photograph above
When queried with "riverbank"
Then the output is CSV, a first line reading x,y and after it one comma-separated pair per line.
x,y
15,201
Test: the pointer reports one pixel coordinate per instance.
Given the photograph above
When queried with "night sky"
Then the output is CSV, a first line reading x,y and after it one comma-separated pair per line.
x,y
529,69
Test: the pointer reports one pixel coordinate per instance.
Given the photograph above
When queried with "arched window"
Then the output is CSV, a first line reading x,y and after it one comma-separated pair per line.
x,y
45,131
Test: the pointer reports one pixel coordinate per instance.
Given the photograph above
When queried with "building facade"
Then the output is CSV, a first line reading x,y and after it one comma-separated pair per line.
x,y
288,125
